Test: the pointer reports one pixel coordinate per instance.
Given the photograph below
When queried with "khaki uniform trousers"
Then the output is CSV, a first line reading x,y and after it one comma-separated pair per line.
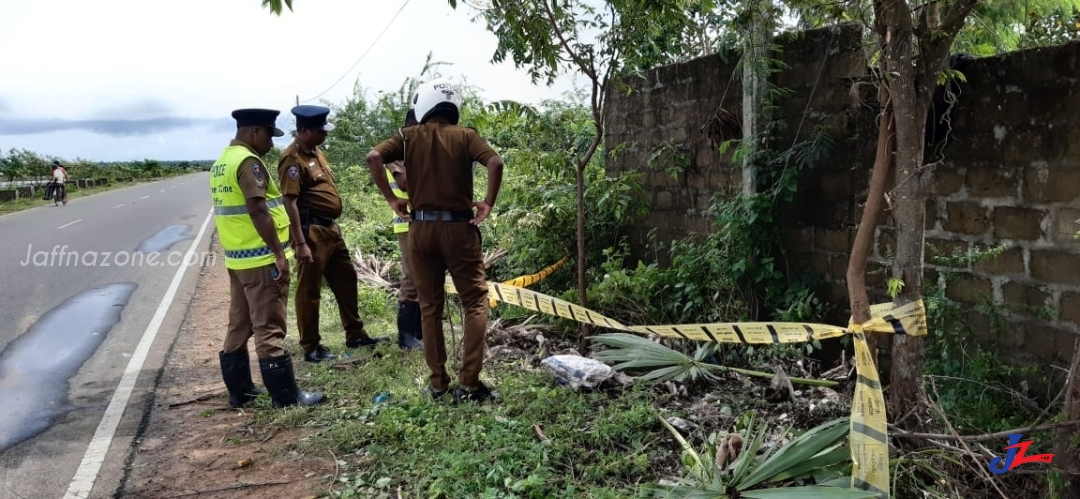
x,y
257,308
330,260
434,248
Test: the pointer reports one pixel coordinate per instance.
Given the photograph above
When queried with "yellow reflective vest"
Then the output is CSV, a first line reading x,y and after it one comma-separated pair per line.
x,y
400,225
243,246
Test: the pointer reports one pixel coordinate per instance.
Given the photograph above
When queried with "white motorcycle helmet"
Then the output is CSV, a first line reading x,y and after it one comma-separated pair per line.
x,y
438,96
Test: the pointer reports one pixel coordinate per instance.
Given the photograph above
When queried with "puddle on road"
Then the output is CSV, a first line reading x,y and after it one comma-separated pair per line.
x,y
165,238
35,367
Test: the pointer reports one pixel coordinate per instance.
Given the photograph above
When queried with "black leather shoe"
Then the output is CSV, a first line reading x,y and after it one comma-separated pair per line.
x,y
435,395
364,342
479,394
319,354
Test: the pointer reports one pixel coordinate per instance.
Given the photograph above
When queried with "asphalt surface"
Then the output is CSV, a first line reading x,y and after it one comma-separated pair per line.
x,y
74,316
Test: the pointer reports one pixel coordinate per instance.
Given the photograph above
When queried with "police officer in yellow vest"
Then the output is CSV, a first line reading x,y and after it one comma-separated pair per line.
x,y
253,229
410,332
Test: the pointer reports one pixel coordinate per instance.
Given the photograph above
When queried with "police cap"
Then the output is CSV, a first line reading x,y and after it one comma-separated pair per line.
x,y
312,117
258,117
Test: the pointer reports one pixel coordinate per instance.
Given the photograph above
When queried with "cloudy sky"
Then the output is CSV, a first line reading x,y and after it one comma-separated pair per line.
x,y
135,79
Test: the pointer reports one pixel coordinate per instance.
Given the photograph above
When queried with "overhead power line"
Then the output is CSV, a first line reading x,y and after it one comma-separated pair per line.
x,y
361,55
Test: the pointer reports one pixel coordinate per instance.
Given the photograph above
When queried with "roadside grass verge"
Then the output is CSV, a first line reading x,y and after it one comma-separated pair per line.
x,y
539,440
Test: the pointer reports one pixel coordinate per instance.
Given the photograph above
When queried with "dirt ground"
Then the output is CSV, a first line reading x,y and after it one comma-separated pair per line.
x,y
194,445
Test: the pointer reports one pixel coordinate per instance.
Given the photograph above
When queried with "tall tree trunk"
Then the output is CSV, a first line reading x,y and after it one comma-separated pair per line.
x,y
910,67
583,162
864,238
909,104
754,78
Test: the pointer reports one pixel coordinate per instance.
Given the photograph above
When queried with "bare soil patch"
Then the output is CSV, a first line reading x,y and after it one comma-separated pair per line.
x,y
193,444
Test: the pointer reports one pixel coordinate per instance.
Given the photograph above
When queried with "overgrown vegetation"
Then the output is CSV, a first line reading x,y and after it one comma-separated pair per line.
x,y
738,272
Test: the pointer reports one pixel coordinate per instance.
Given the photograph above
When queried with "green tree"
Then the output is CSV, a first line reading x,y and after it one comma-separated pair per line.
x,y
598,42
276,6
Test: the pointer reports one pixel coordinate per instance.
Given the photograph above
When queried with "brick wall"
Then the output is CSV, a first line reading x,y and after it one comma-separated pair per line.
x,y
1009,175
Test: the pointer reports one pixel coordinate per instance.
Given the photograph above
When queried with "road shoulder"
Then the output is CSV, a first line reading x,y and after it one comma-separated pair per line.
x,y
193,443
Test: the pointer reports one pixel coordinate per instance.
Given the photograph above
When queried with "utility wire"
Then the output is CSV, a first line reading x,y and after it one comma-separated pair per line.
x,y
362,55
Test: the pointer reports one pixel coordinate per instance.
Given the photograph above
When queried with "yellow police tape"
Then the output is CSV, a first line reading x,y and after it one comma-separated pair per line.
x,y
525,280
868,434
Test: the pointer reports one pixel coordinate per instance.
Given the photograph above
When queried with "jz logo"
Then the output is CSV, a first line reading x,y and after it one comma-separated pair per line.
x,y
1015,455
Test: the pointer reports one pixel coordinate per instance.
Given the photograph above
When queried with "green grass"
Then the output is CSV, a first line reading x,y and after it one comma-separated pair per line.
x,y
598,445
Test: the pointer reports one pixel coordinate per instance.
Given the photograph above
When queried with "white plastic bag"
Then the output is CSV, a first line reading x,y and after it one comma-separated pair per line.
x,y
577,371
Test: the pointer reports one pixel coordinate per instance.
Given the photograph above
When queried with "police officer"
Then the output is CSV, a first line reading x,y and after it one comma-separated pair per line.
x,y
253,229
410,331
313,203
443,233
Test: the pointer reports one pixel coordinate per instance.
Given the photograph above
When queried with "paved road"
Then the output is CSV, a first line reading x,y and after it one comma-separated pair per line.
x,y
88,311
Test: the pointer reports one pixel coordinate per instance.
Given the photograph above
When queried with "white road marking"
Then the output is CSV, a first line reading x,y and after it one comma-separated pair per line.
x,y
119,205
163,190
83,481
70,223
144,197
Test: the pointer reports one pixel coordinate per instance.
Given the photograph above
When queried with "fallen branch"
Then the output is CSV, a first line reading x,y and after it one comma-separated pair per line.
x,y
893,431
760,374
373,271
353,362
200,398
948,424
540,434
242,485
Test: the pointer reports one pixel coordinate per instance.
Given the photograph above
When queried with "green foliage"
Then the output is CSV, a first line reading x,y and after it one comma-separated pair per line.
x,y
750,226
995,27
536,218
275,6
660,363
975,383
895,285
694,287
609,38
363,121
818,456
594,445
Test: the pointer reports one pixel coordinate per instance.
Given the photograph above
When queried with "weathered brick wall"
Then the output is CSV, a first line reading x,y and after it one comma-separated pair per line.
x,y
1010,175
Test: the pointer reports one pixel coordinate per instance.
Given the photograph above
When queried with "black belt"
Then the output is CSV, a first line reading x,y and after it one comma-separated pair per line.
x,y
443,216
307,218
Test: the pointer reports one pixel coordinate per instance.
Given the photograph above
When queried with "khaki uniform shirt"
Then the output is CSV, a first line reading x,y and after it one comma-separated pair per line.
x,y
439,158
307,176
251,174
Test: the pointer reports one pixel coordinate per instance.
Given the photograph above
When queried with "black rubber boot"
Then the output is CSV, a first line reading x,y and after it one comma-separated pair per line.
x,y
410,332
277,373
236,371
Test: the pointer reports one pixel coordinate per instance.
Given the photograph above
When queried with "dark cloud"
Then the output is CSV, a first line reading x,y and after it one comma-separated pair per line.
x,y
114,126
125,118
146,108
